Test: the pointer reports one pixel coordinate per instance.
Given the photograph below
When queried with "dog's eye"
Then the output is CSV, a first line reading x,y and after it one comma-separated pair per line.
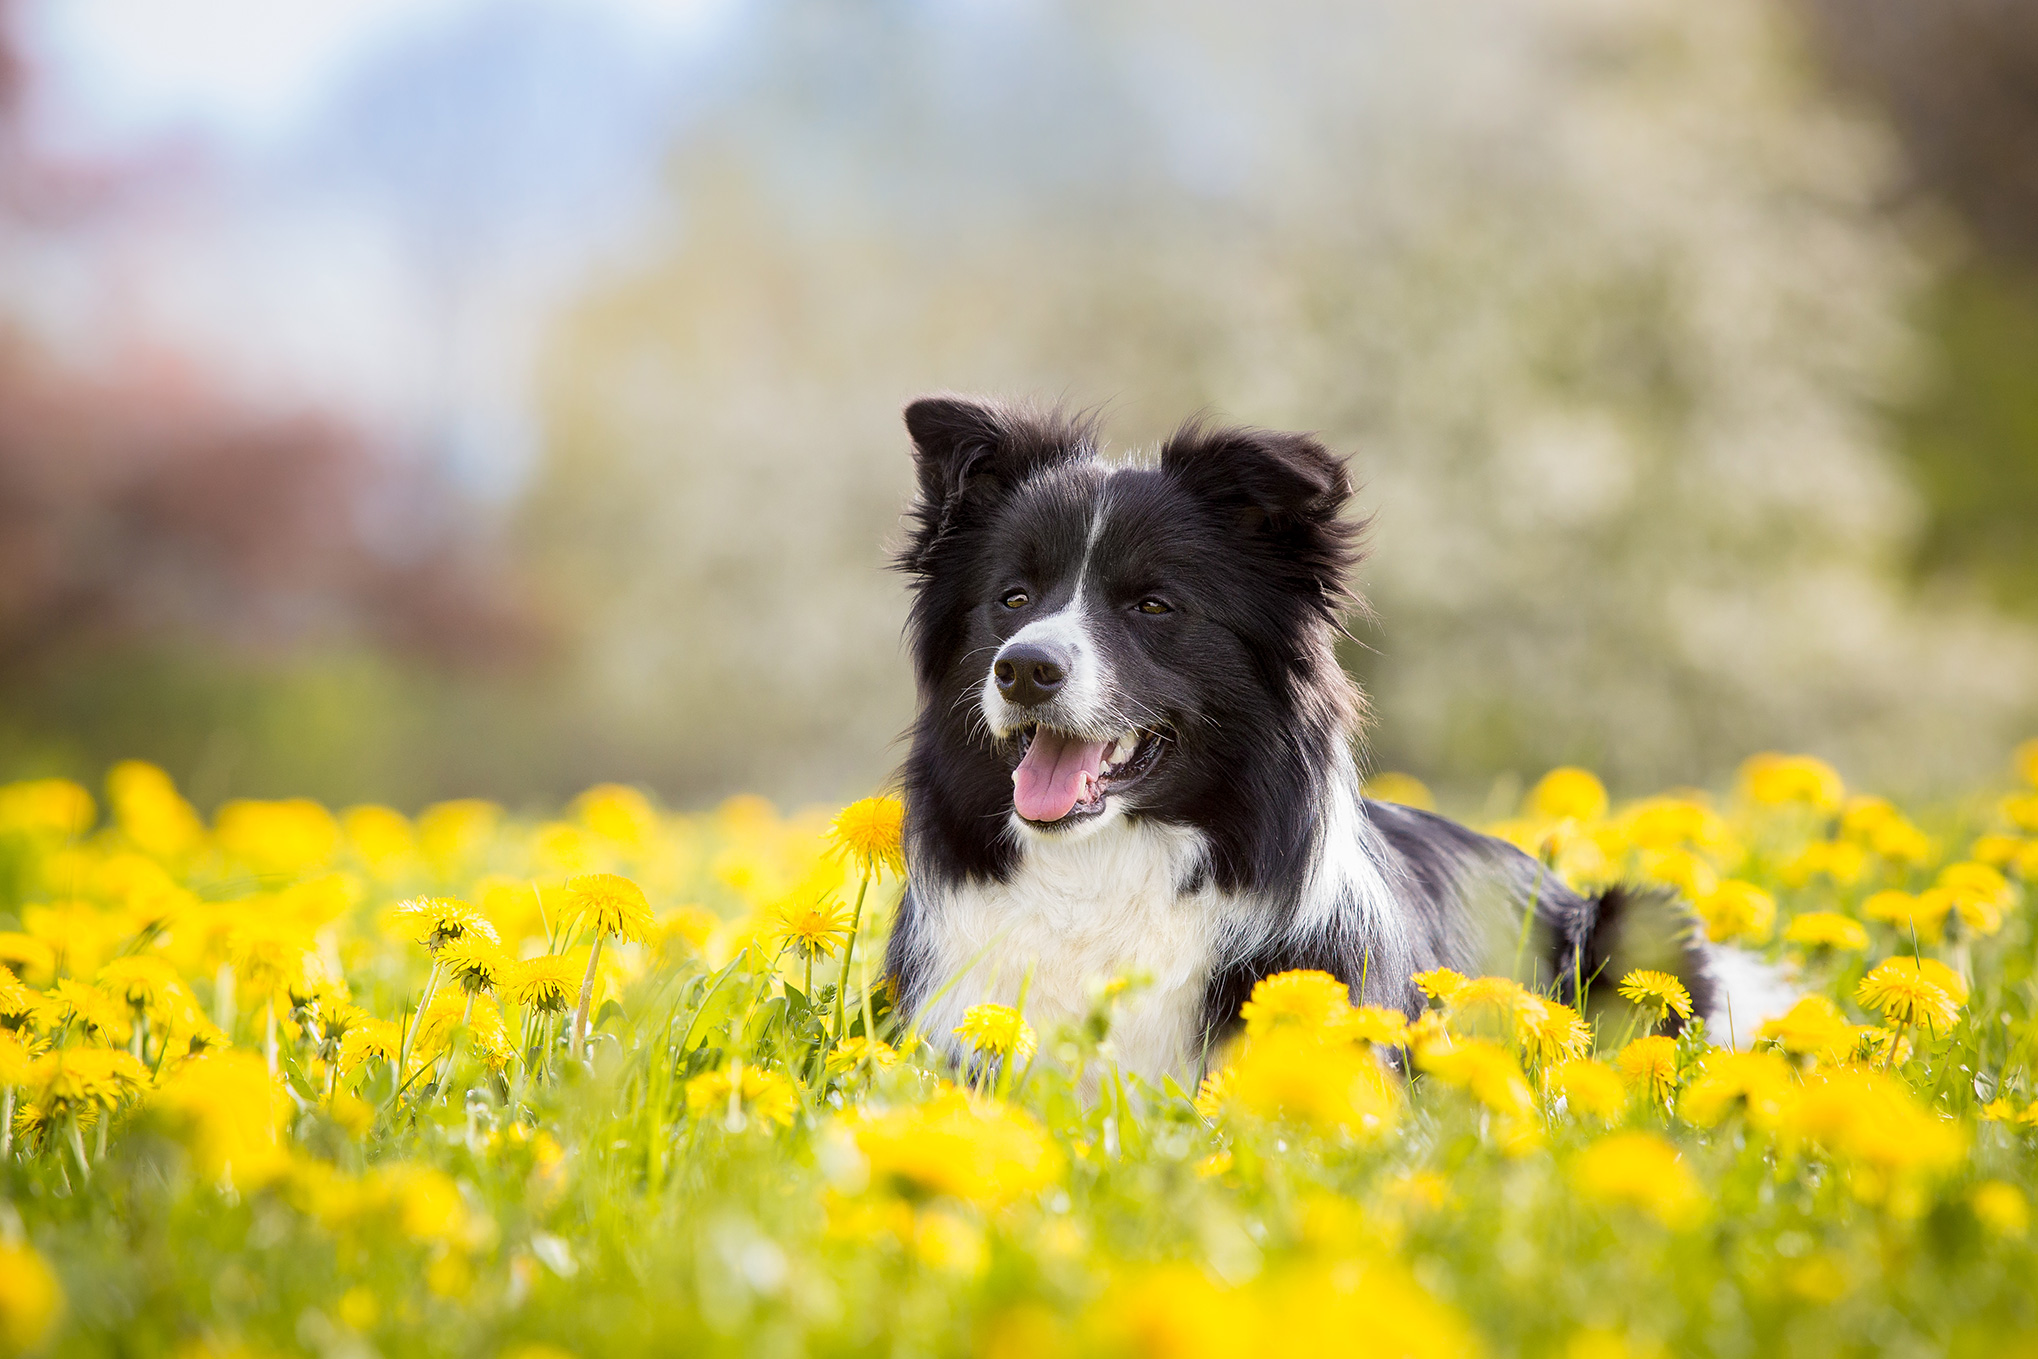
x,y
1152,605
1018,599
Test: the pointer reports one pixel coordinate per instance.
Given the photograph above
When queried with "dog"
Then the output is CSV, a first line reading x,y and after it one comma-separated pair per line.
x,y
1134,756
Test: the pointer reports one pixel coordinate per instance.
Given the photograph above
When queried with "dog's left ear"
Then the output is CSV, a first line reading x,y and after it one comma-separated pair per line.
x,y
1285,490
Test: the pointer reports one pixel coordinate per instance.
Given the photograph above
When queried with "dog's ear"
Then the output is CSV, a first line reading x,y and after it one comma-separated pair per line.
x,y
1286,491
970,454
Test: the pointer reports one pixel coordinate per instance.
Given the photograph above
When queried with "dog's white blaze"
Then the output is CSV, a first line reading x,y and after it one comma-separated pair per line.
x,y
1080,910
1080,705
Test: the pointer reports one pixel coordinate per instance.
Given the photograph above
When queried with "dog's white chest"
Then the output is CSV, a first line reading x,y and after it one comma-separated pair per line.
x,y
1075,914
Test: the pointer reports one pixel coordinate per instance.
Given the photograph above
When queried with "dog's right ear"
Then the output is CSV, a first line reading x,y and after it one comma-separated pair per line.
x,y
970,455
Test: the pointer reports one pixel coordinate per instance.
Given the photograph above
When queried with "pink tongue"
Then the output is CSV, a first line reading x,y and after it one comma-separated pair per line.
x,y
1058,772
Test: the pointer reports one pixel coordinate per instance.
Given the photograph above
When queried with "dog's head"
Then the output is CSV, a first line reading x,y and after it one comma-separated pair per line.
x,y
1106,641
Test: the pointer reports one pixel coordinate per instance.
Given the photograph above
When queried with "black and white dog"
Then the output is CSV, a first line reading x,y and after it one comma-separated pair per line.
x,y
1134,755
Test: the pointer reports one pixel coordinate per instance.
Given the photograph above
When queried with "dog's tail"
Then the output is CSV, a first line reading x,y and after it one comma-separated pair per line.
x,y
1629,928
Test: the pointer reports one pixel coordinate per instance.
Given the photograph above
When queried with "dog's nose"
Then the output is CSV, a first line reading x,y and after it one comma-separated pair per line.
x,y
1029,674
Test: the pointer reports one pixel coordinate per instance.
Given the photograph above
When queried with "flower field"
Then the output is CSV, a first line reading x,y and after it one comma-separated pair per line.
x,y
628,1082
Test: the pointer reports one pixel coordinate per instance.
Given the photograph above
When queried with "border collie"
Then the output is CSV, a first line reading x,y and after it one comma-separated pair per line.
x,y
1134,756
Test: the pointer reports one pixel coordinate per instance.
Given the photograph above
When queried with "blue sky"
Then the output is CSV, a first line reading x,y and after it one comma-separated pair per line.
x,y
248,71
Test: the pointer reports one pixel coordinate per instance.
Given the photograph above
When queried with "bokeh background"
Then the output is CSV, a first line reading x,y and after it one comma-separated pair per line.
x,y
411,398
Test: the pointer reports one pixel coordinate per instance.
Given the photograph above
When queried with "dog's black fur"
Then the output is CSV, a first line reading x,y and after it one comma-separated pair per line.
x,y
1243,540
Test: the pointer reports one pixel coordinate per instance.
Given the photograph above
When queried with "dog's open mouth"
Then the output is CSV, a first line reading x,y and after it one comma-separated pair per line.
x,y
1063,778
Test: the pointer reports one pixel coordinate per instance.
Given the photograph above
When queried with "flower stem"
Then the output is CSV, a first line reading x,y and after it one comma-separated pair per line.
x,y
446,1062
848,952
410,1034
579,1033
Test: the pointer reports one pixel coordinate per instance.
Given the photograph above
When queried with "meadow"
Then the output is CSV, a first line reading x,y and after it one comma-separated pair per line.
x,y
357,1083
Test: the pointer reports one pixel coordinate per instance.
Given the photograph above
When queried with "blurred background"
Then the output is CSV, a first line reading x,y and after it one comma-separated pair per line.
x,y
412,398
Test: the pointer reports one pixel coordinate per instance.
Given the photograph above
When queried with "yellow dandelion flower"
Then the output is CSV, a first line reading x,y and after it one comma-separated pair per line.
x,y
1826,929
1589,1088
1657,993
1487,1071
1736,911
1675,822
1869,1120
692,926
997,1031
2001,1207
1548,1030
1687,871
28,957
743,1089
54,807
1841,861
437,921
1908,992
870,833
854,1052
277,837
31,1299
813,927
1486,997
1572,793
1293,1075
981,1151
91,1007
1998,851
17,1001
1378,1025
549,981
612,904
367,1039
143,981
1405,789
230,1111
1642,1171
1876,823
1494,1007
16,1062
2026,761
487,1036
2020,810
1758,1085
1310,1000
1439,984
1980,894
1650,1065
1773,780
1923,915
269,952
77,1078
477,963
618,814
1813,1027
192,1033
1213,1092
